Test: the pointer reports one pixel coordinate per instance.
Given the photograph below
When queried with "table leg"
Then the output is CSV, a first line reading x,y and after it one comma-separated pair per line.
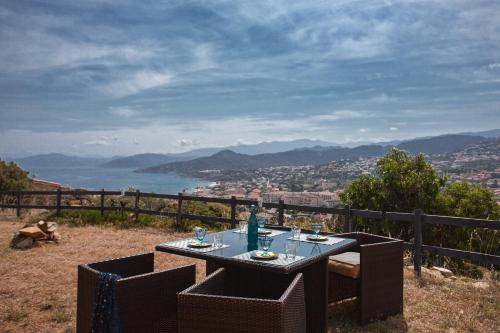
x,y
316,292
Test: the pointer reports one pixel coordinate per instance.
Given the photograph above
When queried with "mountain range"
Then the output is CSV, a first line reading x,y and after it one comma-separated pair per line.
x,y
55,160
296,152
145,160
229,160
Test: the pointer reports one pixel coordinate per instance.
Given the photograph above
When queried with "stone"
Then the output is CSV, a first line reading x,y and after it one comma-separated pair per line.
x,y
445,272
21,242
453,277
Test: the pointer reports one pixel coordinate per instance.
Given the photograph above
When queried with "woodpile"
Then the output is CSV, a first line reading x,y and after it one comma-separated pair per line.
x,y
29,235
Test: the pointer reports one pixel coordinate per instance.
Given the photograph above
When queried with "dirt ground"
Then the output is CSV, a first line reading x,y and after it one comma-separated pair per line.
x,y
38,286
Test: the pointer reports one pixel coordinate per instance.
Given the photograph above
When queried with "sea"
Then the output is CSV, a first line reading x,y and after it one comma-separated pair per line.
x,y
96,178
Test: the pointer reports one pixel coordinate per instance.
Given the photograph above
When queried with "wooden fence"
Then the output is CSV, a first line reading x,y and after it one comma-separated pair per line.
x,y
417,218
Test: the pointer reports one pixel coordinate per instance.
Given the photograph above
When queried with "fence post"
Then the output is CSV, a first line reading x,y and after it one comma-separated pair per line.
x,y
18,209
136,205
348,220
58,202
179,211
417,243
102,202
281,212
233,212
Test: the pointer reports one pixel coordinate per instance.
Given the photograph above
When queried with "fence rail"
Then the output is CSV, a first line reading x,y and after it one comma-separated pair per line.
x,y
417,218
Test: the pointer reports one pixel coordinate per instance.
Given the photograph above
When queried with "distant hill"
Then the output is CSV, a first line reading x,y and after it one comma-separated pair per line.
x,y
440,144
494,133
229,160
147,160
55,160
262,148
142,160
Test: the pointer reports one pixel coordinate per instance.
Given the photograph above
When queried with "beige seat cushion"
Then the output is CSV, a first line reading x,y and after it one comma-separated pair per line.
x,y
347,264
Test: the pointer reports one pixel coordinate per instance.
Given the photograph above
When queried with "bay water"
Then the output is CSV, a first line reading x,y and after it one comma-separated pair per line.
x,y
96,178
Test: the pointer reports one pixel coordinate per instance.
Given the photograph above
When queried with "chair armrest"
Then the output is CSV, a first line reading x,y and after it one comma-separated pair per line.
x,y
144,300
211,285
294,307
202,308
381,279
87,279
126,266
365,238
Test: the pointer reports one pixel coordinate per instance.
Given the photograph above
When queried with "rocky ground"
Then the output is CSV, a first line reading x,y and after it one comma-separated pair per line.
x,y
38,285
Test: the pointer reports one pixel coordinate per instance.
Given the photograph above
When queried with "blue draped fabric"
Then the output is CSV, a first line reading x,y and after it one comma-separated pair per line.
x,y
105,318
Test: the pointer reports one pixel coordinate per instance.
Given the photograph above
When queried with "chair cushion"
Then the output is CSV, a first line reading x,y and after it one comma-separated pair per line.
x,y
347,264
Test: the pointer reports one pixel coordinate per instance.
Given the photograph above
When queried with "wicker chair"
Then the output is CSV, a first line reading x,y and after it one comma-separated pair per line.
x,y
377,281
147,300
212,306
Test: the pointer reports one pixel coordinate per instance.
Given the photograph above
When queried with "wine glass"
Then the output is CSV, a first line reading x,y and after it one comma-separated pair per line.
x,y
316,228
200,233
265,244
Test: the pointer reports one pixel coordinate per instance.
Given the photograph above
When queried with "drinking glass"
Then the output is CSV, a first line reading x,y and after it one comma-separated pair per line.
x,y
200,233
265,244
243,227
295,232
218,240
291,249
262,223
316,228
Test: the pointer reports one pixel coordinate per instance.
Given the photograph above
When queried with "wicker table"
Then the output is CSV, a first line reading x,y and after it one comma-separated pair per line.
x,y
262,277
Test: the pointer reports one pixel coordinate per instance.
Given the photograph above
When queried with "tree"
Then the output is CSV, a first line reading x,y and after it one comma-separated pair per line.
x,y
401,183
463,199
12,177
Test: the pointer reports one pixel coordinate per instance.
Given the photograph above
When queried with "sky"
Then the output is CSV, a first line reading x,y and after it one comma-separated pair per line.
x,y
116,77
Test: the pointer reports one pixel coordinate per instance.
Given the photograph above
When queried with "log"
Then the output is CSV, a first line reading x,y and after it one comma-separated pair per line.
x,y
33,232
42,225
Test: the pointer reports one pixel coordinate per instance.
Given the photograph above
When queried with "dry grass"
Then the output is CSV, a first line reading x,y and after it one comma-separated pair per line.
x,y
38,286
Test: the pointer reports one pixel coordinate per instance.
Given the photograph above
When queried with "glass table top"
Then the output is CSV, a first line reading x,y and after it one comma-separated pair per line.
x,y
237,244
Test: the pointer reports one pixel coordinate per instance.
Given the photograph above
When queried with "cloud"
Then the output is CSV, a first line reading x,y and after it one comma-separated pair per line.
x,y
214,72
136,82
99,142
123,112
339,115
103,140
393,129
184,143
364,130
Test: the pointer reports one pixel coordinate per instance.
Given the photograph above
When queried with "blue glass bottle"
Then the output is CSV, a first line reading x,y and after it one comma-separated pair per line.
x,y
253,229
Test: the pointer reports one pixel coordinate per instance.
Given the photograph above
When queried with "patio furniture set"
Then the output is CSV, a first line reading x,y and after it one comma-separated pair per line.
x,y
244,294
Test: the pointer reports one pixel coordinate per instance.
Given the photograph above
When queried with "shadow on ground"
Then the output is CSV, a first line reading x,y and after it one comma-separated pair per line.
x,y
343,317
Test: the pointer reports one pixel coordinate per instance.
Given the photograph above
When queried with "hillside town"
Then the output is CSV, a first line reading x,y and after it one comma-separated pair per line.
x,y
321,185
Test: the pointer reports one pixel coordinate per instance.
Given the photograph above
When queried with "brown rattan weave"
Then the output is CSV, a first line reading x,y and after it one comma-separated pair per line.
x,y
147,300
380,285
211,306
